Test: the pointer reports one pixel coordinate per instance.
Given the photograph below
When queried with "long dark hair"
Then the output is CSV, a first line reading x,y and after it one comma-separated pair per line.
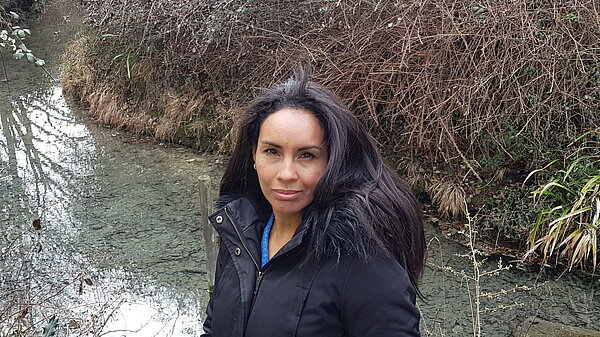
x,y
360,204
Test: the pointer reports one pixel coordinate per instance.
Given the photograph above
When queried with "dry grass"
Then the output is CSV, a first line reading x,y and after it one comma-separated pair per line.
x,y
165,131
449,198
446,194
181,109
133,96
415,175
78,77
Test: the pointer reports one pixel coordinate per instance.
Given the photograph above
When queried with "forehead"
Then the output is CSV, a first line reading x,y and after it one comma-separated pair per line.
x,y
292,124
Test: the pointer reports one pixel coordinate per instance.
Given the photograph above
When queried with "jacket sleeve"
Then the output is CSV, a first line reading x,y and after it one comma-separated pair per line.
x,y
207,326
222,256
379,300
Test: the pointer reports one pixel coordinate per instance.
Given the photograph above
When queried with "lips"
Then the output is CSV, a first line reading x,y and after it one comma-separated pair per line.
x,y
286,195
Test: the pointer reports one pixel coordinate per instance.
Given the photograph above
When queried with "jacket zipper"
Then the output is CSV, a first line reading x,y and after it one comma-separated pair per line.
x,y
260,275
237,231
259,278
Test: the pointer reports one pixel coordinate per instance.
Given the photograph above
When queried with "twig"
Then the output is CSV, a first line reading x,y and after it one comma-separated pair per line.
x,y
6,75
476,276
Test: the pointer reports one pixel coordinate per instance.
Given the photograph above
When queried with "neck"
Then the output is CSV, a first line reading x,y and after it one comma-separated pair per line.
x,y
286,225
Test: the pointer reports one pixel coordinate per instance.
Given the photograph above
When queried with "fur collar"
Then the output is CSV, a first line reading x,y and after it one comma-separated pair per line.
x,y
334,230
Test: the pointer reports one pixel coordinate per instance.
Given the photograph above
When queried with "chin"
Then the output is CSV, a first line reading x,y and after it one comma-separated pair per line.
x,y
287,209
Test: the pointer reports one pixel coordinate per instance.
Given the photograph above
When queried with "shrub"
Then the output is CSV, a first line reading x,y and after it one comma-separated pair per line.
x,y
12,37
441,81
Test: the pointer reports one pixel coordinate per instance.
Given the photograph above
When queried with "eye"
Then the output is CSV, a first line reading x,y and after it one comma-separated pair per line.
x,y
308,155
270,151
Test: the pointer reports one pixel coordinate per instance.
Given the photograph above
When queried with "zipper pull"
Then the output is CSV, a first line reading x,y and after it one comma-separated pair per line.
x,y
258,280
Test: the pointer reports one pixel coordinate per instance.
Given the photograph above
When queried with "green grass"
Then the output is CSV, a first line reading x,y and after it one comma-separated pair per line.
x,y
568,227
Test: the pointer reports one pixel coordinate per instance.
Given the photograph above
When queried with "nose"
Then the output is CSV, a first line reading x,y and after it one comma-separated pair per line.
x,y
287,171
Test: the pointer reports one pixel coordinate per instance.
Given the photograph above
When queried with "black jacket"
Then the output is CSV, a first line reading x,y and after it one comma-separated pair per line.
x,y
290,296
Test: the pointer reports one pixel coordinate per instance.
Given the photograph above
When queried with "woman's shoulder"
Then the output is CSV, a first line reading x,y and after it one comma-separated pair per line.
x,y
378,287
356,271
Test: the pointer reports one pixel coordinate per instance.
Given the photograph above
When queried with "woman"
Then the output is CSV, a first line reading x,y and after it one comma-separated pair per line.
x,y
318,236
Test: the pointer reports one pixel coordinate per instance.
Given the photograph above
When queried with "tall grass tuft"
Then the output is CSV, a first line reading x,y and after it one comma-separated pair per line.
x,y
568,225
449,198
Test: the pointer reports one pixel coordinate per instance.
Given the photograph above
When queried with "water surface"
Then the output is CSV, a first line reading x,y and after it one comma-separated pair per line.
x,y
120,249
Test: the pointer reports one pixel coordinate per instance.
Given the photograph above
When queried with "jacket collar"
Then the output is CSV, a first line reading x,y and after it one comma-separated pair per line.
x,y
239,220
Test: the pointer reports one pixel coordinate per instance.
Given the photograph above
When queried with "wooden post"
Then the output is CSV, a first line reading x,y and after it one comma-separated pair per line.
x,y
211,242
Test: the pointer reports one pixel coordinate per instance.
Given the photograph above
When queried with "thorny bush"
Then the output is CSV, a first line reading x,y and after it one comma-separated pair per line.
x,y
434,80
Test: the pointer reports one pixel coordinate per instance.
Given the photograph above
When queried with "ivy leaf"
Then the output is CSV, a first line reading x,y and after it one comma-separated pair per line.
x,y
18,55
23,48
27,31
21,33
30,57
14,15
50,328
39,63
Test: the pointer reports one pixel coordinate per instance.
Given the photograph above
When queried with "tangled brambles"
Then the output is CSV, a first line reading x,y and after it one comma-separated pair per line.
x,y
439,80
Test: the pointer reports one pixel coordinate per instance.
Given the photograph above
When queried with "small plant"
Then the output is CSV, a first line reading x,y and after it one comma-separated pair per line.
x,y
482,299
126,58
50,329
508,214
568,226
572,16
13,36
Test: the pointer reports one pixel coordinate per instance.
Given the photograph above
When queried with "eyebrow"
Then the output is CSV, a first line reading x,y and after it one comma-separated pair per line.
x,y
303,148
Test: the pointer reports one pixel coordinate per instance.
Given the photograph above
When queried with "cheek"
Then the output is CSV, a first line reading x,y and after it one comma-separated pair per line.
x,y
316,174
265,172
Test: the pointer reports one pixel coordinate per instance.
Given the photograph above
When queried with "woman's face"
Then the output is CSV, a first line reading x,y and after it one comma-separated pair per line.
x,y
290,159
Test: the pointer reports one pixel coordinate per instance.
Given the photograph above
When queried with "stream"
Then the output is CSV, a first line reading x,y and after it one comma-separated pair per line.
x,y
121,252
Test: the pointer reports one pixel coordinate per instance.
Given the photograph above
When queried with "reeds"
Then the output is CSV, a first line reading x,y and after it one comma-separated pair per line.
x,y
569,226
